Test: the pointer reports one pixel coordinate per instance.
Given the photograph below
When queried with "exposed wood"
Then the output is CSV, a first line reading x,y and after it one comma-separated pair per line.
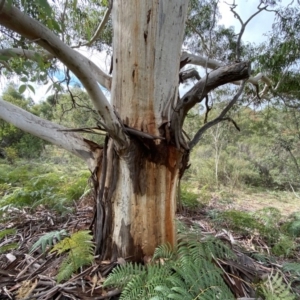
x,y
141,180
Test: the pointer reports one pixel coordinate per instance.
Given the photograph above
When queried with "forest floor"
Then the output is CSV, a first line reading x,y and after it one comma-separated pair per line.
x,y
251,200
26,274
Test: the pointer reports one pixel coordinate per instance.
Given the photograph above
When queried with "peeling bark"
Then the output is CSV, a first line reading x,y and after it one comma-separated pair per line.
x,y
138,201
136,206
136,173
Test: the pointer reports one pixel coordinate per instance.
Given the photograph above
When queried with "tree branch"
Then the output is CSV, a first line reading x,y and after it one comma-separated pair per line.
x,y
188,58
187,74
217,120
196,94
103,78
216,78
100,27
14,19
243,26
48,131
30,54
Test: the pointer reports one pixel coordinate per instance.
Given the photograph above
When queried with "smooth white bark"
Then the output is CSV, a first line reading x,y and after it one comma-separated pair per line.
x,y
47,131
146,60
102,78
14,19
30,54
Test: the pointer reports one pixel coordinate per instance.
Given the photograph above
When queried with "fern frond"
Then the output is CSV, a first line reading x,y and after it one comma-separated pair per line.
x,y
47,240
188,274
80,249
275,289
137,281
208,249
66,270
261,257
292,267
8,231
165,251
79,240
121,275
293,228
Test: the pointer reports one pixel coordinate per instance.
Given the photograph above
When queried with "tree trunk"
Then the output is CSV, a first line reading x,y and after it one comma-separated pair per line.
x,y
136,173
136,185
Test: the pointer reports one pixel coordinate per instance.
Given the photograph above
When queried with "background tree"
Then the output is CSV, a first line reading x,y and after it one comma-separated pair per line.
x,y
145,153
13,141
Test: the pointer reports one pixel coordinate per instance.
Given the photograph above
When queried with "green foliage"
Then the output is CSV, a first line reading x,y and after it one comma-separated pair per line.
x,y
265,153
187,272
293,268
33,184
292,226
15,142
6,232
80,253
187,198
240,221
264,223
9,246
273,288
284,246
48,239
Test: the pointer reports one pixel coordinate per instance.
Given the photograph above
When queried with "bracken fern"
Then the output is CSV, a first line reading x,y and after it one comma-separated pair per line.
x,y
275,289
47,240
187,272
81,249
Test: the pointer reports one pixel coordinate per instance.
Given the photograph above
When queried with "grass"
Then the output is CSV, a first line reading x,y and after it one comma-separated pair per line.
x,y
246,199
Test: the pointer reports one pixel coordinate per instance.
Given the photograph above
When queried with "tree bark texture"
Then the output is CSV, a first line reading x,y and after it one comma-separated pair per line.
x,y
136,173
136,194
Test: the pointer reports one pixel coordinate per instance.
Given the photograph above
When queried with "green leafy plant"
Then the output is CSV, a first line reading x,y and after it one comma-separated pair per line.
x,y
34,184
273,288
4,247
80,250
292,226
188,199
292,267
187,272
285,246
47,240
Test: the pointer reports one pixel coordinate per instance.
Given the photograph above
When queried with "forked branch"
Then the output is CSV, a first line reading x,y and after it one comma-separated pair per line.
x,y
100,27
217,120
188,58
14,19
243,26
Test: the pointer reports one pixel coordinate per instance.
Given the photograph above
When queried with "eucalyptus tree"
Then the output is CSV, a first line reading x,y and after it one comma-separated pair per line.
x,y
136,171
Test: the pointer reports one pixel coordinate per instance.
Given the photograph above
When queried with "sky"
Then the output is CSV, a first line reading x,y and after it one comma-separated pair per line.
x,y
255,32
256,28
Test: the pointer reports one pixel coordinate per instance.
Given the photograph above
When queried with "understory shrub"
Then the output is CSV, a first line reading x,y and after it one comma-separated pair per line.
x,y
41,184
